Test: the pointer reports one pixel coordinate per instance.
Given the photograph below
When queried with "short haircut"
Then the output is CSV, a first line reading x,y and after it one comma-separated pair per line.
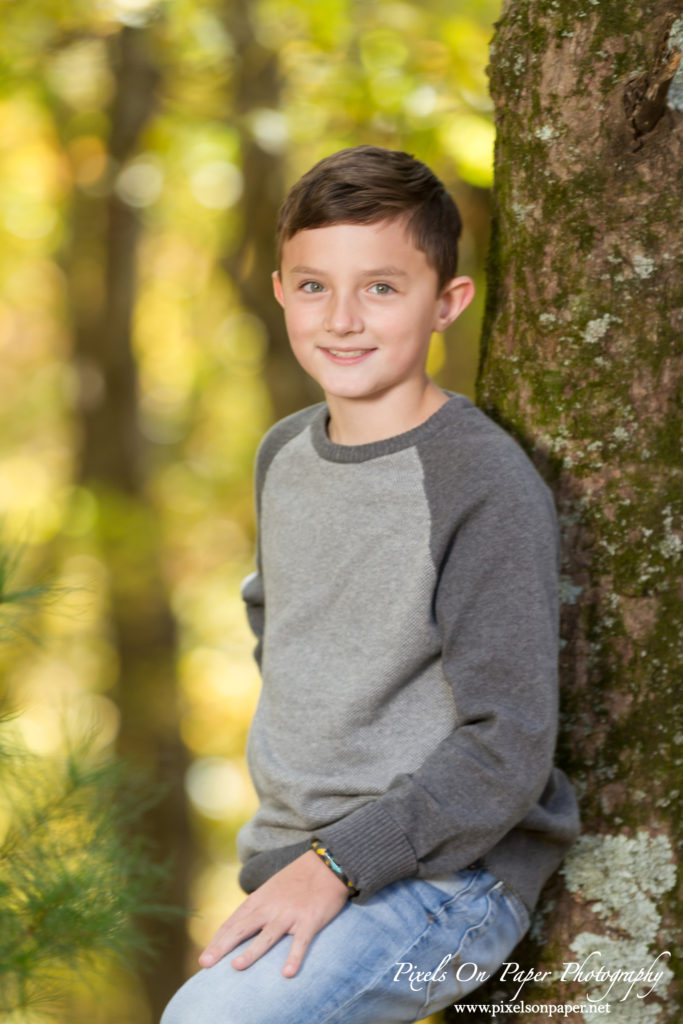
x,y
367,184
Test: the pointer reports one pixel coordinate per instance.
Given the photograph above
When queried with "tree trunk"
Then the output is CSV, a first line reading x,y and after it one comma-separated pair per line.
x,y
101,267
257,90
580,362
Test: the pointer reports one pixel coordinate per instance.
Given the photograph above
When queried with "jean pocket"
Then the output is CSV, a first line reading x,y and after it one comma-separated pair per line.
x,y
457,884
517,908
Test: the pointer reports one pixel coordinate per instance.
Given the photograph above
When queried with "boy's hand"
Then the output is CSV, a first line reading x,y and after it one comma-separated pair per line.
x,y
298,900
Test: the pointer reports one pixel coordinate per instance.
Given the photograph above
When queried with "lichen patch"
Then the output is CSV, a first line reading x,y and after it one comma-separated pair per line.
x,y
622,878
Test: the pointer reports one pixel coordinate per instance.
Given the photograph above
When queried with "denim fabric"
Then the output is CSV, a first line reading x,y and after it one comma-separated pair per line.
x,y
360,969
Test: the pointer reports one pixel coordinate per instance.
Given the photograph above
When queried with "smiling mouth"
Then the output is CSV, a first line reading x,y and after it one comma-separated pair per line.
x,y
347,355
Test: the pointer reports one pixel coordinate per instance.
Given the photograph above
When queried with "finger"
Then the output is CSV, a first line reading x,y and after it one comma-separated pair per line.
x,y
226,938
300,943
261,944
233,930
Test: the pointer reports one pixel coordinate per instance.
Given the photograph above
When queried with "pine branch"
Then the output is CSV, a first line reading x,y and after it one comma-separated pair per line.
x,y
74,884
75,874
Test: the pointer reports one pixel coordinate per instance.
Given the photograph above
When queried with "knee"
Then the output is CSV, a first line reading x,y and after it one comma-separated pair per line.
x,y
172,1014
206,998
183,1009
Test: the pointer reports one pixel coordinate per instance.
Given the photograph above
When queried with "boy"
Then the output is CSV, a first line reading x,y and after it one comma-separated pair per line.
x,y
405,606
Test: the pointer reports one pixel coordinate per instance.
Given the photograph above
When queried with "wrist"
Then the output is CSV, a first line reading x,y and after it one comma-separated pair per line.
x,y
327,858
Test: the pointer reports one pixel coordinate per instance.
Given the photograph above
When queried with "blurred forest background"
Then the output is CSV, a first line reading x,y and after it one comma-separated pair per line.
x,y
145,148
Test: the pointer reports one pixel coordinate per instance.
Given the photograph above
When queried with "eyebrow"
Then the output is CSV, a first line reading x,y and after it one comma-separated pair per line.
x,y
377,272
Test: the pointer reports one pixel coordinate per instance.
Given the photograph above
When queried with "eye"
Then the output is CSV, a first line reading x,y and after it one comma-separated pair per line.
x,y
381,288
312,287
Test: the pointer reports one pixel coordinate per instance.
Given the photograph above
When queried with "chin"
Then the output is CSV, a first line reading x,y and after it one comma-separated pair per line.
x,y
347,391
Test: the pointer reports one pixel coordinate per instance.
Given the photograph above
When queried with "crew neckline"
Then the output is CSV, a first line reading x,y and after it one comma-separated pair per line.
x,y
334,452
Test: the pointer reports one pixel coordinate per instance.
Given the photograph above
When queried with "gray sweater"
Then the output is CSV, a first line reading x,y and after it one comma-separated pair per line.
x,y
405,607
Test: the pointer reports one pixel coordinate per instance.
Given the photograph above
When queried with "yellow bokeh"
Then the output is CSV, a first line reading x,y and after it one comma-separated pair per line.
x,y
437,354
88,212
469,138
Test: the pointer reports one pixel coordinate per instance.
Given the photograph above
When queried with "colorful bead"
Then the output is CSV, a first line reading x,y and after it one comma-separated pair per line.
x,y
327,857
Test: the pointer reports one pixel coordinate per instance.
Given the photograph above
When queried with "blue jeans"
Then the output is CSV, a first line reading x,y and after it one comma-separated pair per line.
x,y
370,964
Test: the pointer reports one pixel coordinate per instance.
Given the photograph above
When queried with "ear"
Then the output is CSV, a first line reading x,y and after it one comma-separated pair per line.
x,y
452,300
277,287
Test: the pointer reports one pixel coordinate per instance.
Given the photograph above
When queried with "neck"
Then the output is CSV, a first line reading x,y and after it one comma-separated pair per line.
x,y
355,421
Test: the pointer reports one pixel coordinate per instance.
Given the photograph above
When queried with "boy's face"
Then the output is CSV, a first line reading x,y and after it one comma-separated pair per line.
x,y
361,303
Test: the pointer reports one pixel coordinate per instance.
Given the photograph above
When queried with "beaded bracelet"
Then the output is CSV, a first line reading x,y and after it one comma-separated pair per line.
x,y
328,859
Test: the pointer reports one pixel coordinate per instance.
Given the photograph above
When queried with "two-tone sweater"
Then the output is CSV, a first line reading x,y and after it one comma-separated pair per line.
x,y
405,605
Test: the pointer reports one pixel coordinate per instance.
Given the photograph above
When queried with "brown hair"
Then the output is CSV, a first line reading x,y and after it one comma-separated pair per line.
x,y
366,184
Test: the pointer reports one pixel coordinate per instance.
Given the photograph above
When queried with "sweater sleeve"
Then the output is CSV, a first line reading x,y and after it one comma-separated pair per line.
x,y
495,606
253,595
252,589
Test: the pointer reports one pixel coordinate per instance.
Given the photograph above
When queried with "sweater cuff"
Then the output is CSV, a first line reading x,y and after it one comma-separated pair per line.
x,y
371,848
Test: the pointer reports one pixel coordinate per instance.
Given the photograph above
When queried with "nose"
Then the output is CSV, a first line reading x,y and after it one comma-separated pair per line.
x,y
342,315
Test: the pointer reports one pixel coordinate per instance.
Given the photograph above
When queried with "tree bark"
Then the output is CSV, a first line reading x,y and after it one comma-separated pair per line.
x,y
581,361
102,273
257,88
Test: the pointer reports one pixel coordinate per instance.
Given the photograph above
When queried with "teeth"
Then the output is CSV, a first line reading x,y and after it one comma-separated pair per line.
x,y
348,355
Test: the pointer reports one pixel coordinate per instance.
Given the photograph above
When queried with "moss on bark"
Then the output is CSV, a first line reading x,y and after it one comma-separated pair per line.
x,y
581,361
